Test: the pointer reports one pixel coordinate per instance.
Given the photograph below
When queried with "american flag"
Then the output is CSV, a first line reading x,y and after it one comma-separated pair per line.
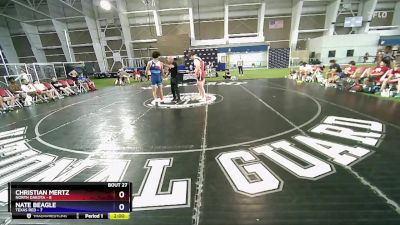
x,y
275,24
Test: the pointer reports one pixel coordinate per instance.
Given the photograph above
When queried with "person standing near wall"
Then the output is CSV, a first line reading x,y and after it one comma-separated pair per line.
x,y
366,56
240,66
388,57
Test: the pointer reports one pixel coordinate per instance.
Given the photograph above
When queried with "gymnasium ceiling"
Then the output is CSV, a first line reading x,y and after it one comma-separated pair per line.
x,y
37,12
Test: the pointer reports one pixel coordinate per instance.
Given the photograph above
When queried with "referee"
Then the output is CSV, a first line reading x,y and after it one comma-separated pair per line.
x,y
173,69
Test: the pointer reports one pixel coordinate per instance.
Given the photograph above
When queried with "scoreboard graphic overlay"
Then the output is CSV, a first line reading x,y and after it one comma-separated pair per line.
x,y
70,200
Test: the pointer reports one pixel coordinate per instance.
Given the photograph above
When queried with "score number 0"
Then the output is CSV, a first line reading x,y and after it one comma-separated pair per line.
x,y
121,206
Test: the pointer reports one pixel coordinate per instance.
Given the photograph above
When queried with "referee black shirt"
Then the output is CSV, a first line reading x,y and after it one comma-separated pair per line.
x,y
174,71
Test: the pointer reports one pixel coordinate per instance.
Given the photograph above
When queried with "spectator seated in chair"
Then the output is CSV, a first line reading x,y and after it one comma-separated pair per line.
x,y
72,85
82,83
41,89
3,106
347,72
63,88
393,79
227,75
136,74
76,85
15,89
73,75
357,75
318,74
30,90
7,102
87,83
374,75
334,71
305,70
143,76
92,85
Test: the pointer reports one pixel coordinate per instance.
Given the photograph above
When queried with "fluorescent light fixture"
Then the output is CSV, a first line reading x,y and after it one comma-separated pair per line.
x,y
106,5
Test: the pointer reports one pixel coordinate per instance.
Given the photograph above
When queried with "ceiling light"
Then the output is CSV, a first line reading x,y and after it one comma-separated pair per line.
x,y
105,4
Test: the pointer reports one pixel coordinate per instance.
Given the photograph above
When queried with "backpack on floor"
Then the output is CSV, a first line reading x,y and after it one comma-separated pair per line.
x,y
372,89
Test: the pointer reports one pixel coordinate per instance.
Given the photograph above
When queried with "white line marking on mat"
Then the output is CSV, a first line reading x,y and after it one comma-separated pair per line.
x,y
85,152
139,117
362,180
375,189
275,111
343,107
77,119
201,174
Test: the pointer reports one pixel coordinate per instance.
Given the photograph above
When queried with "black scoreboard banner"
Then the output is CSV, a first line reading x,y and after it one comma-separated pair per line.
x,y
71,200
209,55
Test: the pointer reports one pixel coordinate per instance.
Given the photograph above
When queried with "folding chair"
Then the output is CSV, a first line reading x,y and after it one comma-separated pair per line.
x,y
64,83
7,93
363,70
74,86
385,76
49,86
82,87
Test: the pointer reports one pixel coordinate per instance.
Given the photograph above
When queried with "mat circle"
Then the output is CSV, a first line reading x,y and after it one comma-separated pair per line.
x,y
313,118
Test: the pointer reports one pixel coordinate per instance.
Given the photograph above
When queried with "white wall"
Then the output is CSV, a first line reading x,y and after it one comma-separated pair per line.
x,y
258,58
361,43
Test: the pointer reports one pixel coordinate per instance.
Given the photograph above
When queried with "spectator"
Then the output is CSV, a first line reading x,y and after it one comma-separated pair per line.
x,y
3,105
318,74
41,89
73,85
388,55
145,75
376,73
87,83
7,102
210,69
30,90
357,75
227,74
366,56
61,88
347,72
393,79
23,75
136,74
334,70
240,66
122,77
82,81
305,70
15,89
73,75
126,75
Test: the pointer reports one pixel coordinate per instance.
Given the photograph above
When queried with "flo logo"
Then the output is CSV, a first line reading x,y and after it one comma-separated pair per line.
x,y
188,100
